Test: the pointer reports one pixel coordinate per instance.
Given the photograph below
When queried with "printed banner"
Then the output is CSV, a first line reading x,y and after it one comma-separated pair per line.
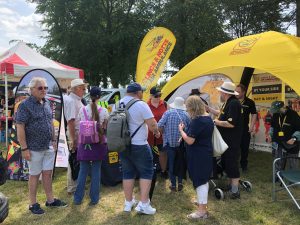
x,y
54,96
154,52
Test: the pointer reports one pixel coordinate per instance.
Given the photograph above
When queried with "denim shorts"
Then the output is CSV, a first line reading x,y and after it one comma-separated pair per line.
x,y
137,161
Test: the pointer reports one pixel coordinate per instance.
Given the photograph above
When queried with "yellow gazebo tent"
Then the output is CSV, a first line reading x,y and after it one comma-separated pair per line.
x,y
271,52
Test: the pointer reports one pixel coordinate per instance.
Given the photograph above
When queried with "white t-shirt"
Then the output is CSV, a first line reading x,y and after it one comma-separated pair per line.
x,y
138,113
103,115
72,105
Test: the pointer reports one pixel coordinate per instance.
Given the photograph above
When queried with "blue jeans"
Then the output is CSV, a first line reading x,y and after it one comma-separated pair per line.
x,y
85,167
171,152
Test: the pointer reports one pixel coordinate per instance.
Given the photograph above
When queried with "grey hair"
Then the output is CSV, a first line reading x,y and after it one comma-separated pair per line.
x,y
36,80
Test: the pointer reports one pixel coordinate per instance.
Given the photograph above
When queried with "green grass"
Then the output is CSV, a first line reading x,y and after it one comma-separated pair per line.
x,y
253,208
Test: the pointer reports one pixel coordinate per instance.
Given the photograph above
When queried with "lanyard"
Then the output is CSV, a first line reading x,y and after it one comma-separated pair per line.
x,y
281,124
221,110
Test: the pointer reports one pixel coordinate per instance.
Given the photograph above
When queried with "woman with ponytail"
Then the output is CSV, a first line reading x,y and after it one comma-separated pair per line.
x,y
90,154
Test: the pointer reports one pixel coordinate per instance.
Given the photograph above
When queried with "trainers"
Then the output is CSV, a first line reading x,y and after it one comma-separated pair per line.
x,y
129,205
172,188
56,203
145,209
180,187
164,174
234,195
36,209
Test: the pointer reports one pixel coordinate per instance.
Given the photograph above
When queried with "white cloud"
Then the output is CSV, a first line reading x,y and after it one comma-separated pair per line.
x,y
18,22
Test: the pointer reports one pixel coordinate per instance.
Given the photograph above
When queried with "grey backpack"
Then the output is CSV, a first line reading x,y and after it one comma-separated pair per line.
x,y
118,135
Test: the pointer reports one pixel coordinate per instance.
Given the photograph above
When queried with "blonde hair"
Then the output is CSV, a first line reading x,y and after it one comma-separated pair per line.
x,y
195,106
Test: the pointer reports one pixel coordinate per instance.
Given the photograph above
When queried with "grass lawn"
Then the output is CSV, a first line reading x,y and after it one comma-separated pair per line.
x,y
253,208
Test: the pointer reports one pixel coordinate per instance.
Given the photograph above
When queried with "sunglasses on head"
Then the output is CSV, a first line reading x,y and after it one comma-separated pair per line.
x,y
42,88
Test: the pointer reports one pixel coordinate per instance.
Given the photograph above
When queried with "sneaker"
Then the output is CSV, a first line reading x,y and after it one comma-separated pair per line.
x,y
180,187
234,195
172,188
129,205
36,209
164,174
142,209
56,203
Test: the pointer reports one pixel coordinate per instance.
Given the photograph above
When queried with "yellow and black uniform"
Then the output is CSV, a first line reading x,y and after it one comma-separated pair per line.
x,y
284,126
231,112
248,107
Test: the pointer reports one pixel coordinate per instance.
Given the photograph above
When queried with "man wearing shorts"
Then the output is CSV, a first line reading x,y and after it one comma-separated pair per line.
x,y
137,161
35,133
230,124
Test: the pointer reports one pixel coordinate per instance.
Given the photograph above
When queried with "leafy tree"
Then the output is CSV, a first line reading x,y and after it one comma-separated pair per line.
x,y
246,17
196,25
101,36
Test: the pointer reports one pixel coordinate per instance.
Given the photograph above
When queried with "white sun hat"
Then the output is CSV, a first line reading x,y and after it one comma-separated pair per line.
x,y
228,88
178,103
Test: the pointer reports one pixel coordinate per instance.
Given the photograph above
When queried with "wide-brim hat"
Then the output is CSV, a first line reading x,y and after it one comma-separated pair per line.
x,y
77,82
228,88
178,103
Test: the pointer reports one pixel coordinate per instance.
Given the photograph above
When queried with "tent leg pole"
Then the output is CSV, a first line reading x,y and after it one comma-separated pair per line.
x,y
6,111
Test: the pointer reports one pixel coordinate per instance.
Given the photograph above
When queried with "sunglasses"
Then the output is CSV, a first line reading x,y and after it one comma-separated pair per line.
x,y
157,96
42,88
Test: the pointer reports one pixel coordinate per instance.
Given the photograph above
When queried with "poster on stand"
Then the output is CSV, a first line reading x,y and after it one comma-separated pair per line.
x,y
54,96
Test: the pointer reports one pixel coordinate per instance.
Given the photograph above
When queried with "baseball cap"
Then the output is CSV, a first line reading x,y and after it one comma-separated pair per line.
x,y
276,106
95,92
155,91
135,87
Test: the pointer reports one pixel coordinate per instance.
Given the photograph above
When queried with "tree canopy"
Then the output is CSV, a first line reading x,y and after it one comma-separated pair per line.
x,y
103,36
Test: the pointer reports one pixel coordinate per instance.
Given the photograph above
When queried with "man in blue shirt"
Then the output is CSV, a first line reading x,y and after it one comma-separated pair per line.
x,y
35,133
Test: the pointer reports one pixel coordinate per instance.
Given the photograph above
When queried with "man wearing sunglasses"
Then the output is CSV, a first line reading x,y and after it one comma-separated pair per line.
x,y
35,133
72,105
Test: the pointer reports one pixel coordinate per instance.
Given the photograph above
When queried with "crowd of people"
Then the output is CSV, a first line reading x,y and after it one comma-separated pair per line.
x,y
155,125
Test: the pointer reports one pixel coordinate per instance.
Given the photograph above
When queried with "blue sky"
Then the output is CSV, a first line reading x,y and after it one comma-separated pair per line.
x,y
18,22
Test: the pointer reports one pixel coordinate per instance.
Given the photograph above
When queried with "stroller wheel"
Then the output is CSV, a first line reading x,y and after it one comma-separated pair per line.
x,y
246,185
219,194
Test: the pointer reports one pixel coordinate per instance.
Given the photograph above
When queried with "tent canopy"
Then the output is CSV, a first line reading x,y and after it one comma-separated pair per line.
x,y
20,59
271,52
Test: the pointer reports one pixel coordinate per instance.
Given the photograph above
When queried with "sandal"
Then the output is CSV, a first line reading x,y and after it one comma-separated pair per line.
x,y
197,216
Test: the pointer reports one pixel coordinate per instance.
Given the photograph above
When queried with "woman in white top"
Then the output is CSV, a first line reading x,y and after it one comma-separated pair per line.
x,y
90,154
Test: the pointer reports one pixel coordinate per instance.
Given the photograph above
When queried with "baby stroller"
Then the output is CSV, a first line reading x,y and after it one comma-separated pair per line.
x,y
218,173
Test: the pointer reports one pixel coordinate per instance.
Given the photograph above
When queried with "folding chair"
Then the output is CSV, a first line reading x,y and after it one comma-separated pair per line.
x,y
288,178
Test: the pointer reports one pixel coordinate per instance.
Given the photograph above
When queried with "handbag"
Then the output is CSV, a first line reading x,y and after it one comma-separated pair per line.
x,y
219,145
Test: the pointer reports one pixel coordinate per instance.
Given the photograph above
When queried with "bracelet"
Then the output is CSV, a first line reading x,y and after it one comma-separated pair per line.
x,y
24,149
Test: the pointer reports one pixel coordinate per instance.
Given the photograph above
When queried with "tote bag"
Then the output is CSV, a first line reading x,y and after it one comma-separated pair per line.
x,y
219,145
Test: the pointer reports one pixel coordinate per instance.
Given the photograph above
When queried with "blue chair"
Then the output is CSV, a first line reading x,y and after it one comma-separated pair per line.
x,y
288,178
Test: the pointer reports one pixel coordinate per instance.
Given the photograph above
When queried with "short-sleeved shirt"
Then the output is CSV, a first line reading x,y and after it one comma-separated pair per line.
x,y
248,106
169,122
157,112
138,113
103,114
232,113
38,120
72,105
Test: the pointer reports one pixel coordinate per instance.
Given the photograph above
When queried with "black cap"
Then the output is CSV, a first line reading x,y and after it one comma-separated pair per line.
x,y
95,92
195,91
154,91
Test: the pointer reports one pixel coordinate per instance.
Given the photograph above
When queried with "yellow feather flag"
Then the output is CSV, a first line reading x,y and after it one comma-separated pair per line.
x,y
154,53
